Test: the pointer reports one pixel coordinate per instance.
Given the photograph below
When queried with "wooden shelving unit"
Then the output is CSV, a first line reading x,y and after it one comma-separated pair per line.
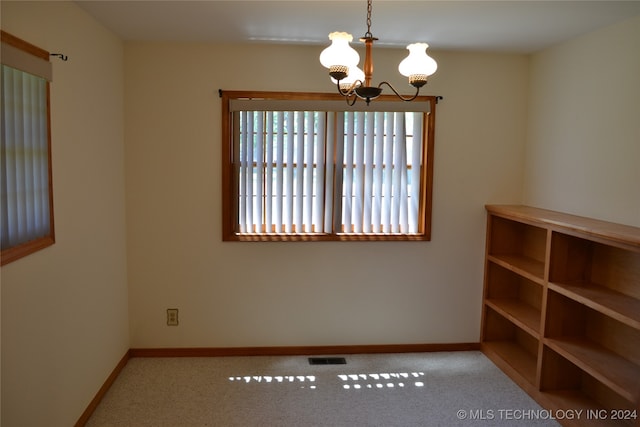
x,y
561,311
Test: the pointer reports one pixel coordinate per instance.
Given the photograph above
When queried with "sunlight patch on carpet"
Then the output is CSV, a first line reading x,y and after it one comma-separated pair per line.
x,y
372,381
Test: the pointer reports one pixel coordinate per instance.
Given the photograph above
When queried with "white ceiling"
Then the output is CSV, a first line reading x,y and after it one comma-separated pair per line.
x,y
500,26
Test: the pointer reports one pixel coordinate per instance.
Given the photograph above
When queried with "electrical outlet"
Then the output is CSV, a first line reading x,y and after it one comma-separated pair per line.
x,y
172,316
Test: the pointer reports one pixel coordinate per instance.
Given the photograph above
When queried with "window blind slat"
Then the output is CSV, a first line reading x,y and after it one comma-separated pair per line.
x,y
244,135
279,172
388,174
288,212
416,165
404,206
376,214
299,175
268,169
319,171
347,219
30,134
237,129
330,137
37,165
258,171
250,172
397,173
308,168
358,177
368,172
20,153
339,149
39,160
11,158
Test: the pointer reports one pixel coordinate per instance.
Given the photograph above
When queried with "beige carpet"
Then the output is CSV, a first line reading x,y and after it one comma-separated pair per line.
x,y
413,389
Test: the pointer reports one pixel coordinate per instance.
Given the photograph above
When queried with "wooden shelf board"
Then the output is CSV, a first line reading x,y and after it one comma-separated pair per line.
x,y
513,358
612,370
523,315
621,307
530,268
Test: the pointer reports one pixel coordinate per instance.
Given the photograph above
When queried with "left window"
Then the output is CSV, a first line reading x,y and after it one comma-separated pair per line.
x,y
26,192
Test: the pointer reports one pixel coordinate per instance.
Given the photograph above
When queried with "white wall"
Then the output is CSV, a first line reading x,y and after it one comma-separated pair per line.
x,y
329,293
583,150
64,309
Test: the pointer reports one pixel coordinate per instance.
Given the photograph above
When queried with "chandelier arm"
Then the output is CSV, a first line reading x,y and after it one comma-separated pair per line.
x,y
343,92
349,93
398,94
351,90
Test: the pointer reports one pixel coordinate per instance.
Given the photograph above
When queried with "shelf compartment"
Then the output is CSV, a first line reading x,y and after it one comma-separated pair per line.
x,y
611,303
518,246
565,385
516,349
606,366
595,343
575,260
514,297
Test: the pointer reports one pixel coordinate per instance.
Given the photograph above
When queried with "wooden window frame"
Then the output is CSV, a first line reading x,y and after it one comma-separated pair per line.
x,y
230,184
22,250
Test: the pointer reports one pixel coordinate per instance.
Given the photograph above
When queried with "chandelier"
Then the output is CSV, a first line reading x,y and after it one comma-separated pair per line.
x,y
353,83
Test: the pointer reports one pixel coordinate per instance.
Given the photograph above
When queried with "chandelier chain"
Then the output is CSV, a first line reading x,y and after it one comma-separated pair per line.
x,y
369,7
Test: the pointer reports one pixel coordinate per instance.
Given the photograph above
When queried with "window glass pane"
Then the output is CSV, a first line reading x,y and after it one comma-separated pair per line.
x,y
24,174
282,172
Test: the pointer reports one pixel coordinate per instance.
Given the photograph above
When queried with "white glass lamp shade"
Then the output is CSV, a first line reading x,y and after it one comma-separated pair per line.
x,y
418,62
339,53
355,74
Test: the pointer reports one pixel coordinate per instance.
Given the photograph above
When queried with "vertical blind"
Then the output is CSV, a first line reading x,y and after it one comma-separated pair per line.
x,y
310,171
24,173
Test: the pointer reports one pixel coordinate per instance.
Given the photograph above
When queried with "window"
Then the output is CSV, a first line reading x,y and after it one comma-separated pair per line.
x,y
309,167
26,213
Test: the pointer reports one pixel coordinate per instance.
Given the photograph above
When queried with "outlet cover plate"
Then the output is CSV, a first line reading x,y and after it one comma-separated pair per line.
x,y
172,317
